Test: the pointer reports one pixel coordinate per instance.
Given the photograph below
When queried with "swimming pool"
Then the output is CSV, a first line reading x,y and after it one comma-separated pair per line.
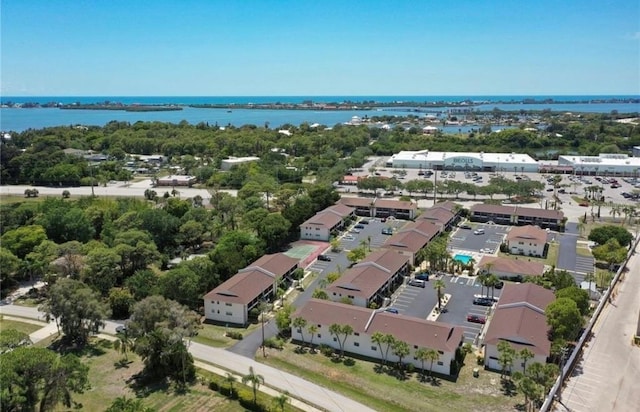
x,y
464,259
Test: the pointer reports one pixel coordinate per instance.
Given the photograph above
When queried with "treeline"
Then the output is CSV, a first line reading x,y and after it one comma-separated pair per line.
x,y
121,248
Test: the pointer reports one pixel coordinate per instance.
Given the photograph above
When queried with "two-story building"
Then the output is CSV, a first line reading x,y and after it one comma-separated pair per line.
x,y
417,333
382,208
527,240
326,222
371,280
232,300
519,319
517,216
410,240
507,268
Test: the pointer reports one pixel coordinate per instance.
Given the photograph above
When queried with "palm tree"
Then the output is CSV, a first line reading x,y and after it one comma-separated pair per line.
x,y
230,379
282,400
401,349
421,355
492,281
438,286
312,329
581,227
255,380
123,344
589,277
432,355
482,278
615,210
300,323
341,332
525,355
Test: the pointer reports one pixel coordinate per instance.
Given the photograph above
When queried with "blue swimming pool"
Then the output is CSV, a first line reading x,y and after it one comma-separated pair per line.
x,y
464,259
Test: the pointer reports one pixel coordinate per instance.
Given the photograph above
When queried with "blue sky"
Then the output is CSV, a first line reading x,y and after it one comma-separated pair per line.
x,y
321,47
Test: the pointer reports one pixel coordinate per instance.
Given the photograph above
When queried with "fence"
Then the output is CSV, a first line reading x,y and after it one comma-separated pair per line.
x,y
570,363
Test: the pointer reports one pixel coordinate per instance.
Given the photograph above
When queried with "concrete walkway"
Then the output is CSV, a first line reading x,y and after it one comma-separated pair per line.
x,y
314,396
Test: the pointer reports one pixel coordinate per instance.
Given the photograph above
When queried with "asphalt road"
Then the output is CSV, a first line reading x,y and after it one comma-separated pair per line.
x,y
299,388
606,379
567,252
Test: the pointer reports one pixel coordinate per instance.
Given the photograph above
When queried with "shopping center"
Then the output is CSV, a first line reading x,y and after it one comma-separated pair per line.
x,y
486,162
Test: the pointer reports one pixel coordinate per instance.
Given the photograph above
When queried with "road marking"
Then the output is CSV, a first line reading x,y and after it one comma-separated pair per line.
x,y
471,282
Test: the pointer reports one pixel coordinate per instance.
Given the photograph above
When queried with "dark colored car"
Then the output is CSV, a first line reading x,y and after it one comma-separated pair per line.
x,y
476,319
364,222
465,227
387,231
324,258
391,310
423,276
499,285
359,226
483,301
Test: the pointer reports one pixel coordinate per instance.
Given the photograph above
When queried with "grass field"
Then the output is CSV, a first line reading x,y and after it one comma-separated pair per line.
x,y
550,260
214,335
24,327
384,392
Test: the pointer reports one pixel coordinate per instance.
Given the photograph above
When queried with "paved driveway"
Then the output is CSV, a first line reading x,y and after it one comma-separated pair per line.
x,y
465,239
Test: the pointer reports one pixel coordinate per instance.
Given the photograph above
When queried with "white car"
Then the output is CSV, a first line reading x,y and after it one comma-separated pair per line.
x,y
478,232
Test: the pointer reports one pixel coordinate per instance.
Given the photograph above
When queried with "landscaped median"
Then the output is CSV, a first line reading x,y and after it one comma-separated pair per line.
x,y
386,389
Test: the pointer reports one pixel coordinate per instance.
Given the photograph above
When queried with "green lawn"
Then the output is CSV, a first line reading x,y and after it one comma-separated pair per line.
x,y
583,251
24,327
550,260
214,335
384,392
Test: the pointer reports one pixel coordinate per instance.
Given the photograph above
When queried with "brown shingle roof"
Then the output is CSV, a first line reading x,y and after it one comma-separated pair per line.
x,y
414,331
277,263
413,237
447,205
396,204
529,232
519,318
515,266
328,220
439,215
242,288
517,210
390,260
356,201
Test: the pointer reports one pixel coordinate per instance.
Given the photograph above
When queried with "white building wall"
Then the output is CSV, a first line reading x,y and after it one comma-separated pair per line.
x,y
527,248
220,311
492,355
362,345
355,301
313,232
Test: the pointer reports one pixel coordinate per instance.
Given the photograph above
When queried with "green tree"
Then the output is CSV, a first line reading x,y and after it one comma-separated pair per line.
x,y
283,318
76,309
9,264
191,234
610,252
120,300
143,283
23,240
255,380
230,379
602,234
580,296
526,355
124,404
281,400
182,285
102,270
300,324
564,318
312,329
401,350
439,285
123,344
356,255
11,339
341,332
33,378
506,357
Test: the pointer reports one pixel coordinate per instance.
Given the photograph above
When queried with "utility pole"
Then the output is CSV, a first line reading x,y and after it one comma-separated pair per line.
x,y
262,305
91,174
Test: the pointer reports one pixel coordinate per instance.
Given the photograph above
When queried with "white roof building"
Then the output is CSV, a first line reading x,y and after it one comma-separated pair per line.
x,y
604,164
426,159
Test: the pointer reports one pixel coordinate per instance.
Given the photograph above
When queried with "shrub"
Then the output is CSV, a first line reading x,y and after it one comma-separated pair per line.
x,y
274,343
411,368
326,350
480,360
234,335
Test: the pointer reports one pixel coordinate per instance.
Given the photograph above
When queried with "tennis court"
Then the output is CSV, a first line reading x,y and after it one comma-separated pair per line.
x,y
300,252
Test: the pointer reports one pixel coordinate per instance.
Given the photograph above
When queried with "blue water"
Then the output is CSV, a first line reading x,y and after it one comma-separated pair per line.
x,y
464,259
15,119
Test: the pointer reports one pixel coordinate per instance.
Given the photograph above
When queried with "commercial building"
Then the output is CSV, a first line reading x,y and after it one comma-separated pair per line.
x,y
231,301
227,164
527,240
488,162
371,280
517,216
417,333
520,320
605,164
176,180
324,223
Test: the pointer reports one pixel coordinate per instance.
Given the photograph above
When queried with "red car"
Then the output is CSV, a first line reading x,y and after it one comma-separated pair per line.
x,y
476,319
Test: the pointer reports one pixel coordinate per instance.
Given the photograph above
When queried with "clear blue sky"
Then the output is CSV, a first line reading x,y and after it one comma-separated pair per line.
x,y
319,47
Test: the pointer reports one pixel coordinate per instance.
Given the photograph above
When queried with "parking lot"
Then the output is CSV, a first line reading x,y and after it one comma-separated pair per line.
x,y
487,242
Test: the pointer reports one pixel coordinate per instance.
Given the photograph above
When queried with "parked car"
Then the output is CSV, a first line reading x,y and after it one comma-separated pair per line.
x,y
483,301
359,226
476,319
391,310
465,227
348,237
417,283
364,222
499,285
355,230
423,276
387,231
324,258
478,232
